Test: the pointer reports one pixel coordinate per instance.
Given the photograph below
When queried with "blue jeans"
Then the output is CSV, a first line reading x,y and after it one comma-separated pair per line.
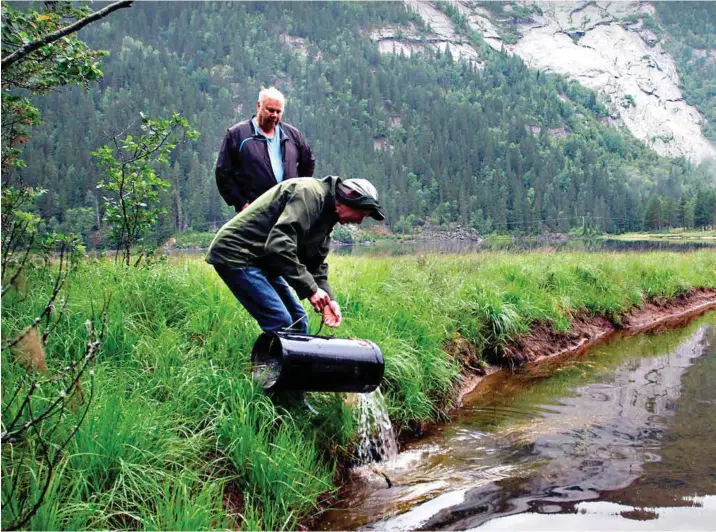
x,y
268,299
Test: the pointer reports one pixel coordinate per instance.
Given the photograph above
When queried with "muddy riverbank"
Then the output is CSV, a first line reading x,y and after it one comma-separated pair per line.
x,y
544,342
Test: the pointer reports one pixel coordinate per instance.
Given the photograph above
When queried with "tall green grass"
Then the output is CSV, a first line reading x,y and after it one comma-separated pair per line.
x,y
179,437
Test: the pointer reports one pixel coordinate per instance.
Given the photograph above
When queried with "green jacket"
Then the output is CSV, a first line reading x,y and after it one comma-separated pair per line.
x,y
285,231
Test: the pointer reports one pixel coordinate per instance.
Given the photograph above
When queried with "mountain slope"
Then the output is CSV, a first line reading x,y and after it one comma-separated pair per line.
x,y
487,143
614,48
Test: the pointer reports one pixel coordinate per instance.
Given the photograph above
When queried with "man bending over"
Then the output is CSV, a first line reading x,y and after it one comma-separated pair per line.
x,y
281,240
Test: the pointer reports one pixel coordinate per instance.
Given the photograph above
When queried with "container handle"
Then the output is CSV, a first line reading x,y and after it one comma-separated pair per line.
x,y
320,328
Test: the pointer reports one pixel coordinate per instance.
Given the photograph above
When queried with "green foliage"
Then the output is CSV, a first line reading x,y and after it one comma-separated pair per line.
x,y
19,116
279,465
342,235
18,222
47,404
194,239
653,216
705,208
131,187
24,248
531,152
692,26
176,421
79,221
46,382
351,234
68,61
694,22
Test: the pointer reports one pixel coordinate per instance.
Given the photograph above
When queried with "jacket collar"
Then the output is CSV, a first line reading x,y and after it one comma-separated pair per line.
x,y
330,182
257,132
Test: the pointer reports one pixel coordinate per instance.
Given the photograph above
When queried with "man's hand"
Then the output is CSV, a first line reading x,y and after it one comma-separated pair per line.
x,y
319,300
332,314
245,205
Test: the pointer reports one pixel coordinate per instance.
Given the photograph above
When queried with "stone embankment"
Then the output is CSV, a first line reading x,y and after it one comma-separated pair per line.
x,y
452,234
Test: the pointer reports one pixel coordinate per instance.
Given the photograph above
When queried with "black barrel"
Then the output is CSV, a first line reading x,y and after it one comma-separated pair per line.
x,y
291,361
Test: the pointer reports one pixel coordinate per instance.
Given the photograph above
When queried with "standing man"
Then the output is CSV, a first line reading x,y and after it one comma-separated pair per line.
x,y
282,239
259,153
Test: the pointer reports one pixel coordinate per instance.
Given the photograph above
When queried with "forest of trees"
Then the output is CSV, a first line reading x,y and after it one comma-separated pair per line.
x,y
693,28
499,149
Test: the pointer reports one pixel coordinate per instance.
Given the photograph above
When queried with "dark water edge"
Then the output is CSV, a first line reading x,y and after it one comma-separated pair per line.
x,y
618,438
516,246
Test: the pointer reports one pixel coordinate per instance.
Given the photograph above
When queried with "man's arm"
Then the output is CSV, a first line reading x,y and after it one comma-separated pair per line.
x,y
319,267
299,214
227,166
332,315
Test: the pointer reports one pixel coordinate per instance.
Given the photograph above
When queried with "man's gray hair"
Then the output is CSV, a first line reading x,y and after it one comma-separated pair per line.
x,y
273,93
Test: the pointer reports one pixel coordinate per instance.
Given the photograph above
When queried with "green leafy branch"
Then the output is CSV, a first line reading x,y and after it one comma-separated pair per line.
x,y
40,54
131,186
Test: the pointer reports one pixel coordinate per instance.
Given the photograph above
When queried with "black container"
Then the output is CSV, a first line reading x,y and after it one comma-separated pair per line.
x,y
291,361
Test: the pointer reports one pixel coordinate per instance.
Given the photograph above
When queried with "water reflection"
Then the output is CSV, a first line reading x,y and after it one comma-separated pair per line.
x,y
610,516
629,424
516,246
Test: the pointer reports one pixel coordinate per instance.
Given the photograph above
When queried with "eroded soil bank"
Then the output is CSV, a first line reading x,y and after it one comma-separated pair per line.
x,y
545,342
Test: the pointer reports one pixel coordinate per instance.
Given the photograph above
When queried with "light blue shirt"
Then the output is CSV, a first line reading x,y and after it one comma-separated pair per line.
x,y
274,149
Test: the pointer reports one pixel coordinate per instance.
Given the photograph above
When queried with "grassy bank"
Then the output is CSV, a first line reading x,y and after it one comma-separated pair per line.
x,y
178,437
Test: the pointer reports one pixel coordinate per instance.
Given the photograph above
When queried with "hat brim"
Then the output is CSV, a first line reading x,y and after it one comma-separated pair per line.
x,y
377,214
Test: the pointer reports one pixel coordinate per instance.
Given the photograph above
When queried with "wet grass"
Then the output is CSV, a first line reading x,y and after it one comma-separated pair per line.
x,y
179,437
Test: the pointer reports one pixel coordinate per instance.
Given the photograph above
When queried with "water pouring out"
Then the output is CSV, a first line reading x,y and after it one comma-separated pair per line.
x,y
377,438
286,361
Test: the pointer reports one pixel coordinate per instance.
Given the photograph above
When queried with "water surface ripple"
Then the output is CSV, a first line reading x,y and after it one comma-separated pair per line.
x,y
618,438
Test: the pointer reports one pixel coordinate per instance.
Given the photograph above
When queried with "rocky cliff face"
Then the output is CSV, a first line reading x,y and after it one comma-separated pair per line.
x,y
406,41
611,47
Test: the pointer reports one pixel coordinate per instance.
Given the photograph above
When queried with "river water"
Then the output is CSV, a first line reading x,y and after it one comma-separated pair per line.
x,y
618,438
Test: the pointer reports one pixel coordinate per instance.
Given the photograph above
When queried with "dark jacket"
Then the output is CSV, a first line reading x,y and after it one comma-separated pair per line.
x,y
243,169
286,232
